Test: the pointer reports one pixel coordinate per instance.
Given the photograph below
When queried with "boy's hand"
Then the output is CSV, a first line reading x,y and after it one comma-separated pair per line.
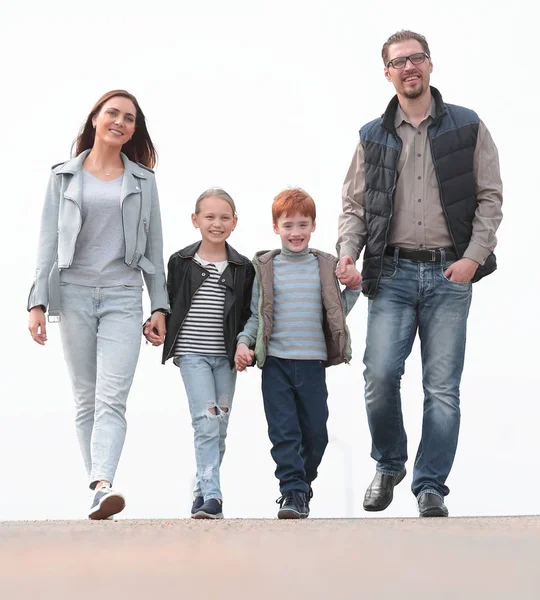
x,y
347,273
155,329
243,357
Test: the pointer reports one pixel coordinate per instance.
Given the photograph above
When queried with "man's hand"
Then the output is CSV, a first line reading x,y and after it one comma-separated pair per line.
x,y
347,273
155,329
243,357
462,271
36,325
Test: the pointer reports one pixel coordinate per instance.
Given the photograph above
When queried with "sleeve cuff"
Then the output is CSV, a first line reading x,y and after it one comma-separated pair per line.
x,y
477,253
243,339
349,251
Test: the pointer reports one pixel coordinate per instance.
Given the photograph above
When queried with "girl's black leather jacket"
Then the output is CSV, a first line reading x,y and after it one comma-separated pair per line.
x,y
185,276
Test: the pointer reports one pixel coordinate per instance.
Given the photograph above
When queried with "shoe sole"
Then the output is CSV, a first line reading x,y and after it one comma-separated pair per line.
x,y
204,515
399,479
287,513
109,506
433,512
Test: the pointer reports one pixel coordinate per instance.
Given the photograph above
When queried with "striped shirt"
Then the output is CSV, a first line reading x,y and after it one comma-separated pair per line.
x,y
297,331
202,330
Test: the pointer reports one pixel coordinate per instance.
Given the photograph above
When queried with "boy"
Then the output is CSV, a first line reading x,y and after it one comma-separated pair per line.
x,y
297,328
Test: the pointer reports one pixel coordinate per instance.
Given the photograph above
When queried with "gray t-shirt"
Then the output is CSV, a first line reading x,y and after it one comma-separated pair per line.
x,y
100,247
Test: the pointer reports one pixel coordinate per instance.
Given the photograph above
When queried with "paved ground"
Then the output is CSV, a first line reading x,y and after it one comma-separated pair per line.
x,y
341,559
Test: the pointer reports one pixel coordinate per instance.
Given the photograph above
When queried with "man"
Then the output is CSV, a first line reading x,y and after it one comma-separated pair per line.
x,y
423,199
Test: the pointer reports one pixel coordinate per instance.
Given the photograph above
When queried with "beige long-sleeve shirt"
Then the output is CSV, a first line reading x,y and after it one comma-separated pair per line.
x,y
418,220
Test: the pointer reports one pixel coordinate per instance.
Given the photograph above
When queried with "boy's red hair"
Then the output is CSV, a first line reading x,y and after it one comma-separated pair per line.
x,y
292,202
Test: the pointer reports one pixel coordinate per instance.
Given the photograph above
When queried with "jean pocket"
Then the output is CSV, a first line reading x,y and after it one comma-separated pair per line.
x,y
463,284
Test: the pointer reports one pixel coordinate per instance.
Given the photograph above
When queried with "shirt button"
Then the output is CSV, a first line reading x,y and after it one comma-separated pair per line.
x,y
137,188
419,155
419,222
419,177
421,245
419,199
419,133
203,274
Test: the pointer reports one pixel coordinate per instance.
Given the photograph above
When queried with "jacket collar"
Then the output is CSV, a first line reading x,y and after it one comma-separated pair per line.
x,y
75,164
389,115
232,255
130,184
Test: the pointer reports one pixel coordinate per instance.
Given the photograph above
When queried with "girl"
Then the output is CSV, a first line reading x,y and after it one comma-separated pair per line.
x,y
209,286
100,228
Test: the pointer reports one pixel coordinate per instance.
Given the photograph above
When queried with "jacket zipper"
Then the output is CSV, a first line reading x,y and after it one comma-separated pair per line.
x,y
440,198
78,231
138,226
181,324
389,218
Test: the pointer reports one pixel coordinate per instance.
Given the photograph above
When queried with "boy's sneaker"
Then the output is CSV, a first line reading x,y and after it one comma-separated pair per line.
x,y
211,509
293,505
197,503
106,503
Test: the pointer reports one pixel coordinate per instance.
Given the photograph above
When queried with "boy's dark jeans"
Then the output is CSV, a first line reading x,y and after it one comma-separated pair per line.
x,y
295,403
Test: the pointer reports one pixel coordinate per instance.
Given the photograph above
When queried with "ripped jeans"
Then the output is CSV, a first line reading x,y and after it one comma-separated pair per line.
x,y
209,383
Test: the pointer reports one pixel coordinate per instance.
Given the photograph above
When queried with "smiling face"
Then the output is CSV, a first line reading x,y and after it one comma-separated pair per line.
x,y
412,81
295,231
215,219
115,122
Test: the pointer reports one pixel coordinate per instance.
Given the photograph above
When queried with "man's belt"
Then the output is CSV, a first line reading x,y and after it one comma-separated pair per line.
x,y
425,255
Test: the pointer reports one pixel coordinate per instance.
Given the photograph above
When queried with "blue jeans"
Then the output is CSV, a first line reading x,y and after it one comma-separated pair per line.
x,y
295,403
101,337
209,383
416,297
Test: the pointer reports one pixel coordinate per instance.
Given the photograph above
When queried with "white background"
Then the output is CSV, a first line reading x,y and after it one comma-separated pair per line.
x,y
254,97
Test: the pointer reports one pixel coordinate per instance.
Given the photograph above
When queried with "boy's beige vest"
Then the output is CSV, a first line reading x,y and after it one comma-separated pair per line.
x,y
338,344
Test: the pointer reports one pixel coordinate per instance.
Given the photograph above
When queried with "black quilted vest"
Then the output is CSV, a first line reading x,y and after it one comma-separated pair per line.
x,y
452,137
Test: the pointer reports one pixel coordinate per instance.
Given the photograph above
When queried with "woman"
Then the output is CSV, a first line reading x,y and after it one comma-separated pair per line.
x,y
100,228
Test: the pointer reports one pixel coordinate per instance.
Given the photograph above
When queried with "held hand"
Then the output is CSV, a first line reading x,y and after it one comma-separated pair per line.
x,y
36,325
155,329
243,357
347,273
462,271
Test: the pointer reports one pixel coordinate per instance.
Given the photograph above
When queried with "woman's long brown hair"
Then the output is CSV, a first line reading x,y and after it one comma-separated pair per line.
x,y
139,149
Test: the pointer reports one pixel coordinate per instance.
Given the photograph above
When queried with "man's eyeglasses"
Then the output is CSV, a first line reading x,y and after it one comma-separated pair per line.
x,y
416,59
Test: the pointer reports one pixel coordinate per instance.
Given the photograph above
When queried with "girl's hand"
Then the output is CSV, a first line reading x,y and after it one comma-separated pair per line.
x,y
243,357
36,325
155,329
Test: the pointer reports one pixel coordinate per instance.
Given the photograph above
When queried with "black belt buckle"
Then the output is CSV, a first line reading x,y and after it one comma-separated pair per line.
x,y
423,255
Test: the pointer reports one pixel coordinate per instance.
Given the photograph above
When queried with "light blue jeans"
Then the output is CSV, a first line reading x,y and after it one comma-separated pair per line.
x,y
416,297
209,383
101,331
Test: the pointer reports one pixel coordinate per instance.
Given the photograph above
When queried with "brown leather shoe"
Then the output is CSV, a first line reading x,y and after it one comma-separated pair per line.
x,y
431,505
380,492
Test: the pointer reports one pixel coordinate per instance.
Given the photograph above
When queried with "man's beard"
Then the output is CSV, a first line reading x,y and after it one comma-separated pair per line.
x,y
412,94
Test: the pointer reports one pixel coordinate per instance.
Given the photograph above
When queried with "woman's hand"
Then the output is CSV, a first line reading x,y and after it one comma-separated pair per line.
x,y
36,325
155,329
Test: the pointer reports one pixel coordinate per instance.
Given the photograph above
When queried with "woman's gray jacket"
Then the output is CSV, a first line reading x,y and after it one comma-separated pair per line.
x,y
61,222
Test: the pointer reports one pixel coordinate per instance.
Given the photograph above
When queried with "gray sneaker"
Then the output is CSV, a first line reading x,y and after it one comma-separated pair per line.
x,y
211,509
197,503
106,503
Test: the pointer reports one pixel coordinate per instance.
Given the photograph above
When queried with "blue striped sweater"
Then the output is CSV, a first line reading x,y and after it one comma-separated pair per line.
x,y
297,331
